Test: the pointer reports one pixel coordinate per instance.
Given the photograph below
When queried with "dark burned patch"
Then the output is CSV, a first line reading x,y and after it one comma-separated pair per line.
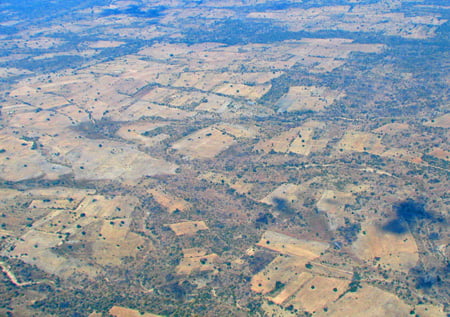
x,y
102,129
135,11
408,213
283,205
350,231
259,261
411,211
431,276
264,219
397,226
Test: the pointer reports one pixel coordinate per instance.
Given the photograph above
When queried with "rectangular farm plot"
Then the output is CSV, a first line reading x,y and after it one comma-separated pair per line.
x,y
296,140
291,288
203,144
169,202
118,311
288,245
285,269
188,227
145,133
361,142
318,292
333,204
288,192
301,98
241,90
398,252
144,109
214,103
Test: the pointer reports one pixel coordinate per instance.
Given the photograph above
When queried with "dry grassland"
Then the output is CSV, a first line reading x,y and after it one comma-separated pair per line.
x,y
291,288
168,201
241,90
318,292
205,81
440,154
35,248
397,252
361,142
440,122
291,246
212,13
75,114
289,192
37,42
174,97
104,44
144,109
119,66
285,269
237,130
40,123
54,204
91,159
102,223
165,51
333,204
288,280
392,128
10,109
135,132
60,193
296,140
20,161
430,310
117,241
403,155
380,19
214,103
368,301
188,227
118,311
6,72
303,98
147,33
204,143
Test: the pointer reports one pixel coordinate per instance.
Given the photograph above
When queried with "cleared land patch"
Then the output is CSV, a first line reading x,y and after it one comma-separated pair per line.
x,y
361,142
20,160
288,192
441,122
188,227
367,301
170,202
204,143
394,251
333,204
296,140
144,133
303,98
118,311
291,246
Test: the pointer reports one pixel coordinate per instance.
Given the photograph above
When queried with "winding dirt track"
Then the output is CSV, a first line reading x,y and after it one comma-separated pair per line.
x,y
14,280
